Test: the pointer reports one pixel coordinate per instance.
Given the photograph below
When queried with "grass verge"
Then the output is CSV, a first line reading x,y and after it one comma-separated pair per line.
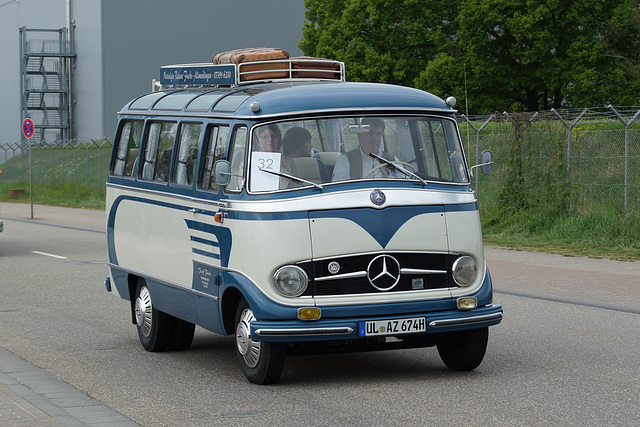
x,y
68,195
594,234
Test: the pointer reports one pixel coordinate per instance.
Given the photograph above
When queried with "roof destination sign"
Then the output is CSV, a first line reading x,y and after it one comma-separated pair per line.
x,y
198,74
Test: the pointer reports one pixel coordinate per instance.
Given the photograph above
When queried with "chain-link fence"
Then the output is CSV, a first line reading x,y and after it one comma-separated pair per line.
x,y
580,159
60,162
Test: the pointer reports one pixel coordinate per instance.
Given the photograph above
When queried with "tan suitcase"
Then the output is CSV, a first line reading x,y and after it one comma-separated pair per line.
x,y
241,56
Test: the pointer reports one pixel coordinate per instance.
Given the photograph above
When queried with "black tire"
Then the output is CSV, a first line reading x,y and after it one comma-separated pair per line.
x,y
155,328
464,350
261,362
182,334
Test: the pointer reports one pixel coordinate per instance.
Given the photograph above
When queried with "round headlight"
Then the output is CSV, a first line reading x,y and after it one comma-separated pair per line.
x,y
290,281
464,271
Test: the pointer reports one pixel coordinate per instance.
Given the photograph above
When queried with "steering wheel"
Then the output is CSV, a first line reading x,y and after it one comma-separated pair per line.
x,y
410,167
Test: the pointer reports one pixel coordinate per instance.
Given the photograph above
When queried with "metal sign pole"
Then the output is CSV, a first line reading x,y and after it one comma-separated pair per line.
x,y
31,175
28,129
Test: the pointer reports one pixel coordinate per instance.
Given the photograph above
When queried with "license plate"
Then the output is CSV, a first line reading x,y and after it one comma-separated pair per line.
x,y
393,327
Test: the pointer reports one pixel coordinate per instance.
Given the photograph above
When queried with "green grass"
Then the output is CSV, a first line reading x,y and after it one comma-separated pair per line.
x,y
597,234
83,166
68,195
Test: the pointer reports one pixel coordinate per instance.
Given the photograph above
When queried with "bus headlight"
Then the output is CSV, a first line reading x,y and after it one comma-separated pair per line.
x,y
464,271
290,280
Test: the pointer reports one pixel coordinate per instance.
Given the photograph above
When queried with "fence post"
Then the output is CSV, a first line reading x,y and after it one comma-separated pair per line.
x,y
51,166
62,154
100,164
626,154
75,163
519,130
86,149
569,128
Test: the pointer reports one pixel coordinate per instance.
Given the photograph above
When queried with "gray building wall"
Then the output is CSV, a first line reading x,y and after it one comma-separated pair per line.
x,y
140,36
121,45
41,14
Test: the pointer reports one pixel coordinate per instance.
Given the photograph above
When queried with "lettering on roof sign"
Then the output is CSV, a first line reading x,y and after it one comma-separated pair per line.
x,y
203,75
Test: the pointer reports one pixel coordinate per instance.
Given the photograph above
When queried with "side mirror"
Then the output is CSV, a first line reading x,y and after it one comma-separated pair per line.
x,y
222,172
486,162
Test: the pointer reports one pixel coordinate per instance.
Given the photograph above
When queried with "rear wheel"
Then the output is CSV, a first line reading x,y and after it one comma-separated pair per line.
x,y
464,350
158,330
261,362
182,334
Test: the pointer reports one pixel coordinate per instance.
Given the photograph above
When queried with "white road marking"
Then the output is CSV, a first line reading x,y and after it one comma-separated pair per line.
x,y
51,255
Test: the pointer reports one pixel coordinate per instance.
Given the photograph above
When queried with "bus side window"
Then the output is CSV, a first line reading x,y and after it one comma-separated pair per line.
x,y
216,145
158,151
128,148
236,154
187,154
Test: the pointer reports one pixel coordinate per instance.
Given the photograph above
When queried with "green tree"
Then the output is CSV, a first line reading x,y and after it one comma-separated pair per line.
x,y
386,41
513,54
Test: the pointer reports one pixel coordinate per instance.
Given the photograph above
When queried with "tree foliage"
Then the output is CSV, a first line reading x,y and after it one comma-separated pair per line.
x,y
510,54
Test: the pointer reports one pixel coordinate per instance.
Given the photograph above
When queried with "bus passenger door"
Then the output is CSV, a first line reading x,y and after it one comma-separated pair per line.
x,y
210,240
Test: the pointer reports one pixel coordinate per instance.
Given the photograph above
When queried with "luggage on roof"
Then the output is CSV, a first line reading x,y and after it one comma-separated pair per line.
x,y
239,56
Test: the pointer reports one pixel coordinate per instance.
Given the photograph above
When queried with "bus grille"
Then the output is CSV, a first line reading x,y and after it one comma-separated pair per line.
x,y
379,272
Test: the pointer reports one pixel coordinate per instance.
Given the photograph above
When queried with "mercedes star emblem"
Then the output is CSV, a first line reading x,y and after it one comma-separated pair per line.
x,y
377,197
383,272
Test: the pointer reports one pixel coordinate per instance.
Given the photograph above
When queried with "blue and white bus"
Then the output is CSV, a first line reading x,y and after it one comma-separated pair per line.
x,y
276,202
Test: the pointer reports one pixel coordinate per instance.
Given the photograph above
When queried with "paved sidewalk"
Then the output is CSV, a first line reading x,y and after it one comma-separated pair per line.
x,y
84,219
30,396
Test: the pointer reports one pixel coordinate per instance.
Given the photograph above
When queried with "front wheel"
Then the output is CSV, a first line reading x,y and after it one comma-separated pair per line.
x,y
261,362
464,350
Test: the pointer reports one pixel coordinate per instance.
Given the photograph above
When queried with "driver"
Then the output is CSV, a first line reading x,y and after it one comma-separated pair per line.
x,y
357,163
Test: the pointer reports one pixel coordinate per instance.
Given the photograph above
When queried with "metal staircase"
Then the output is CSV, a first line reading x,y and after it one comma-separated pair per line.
x,y
45,69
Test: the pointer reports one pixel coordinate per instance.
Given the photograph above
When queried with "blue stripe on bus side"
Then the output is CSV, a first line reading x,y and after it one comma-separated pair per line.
x,y
205,241
205,253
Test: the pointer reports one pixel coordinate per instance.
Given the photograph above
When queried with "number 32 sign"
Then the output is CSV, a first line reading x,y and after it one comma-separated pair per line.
x,y
264,181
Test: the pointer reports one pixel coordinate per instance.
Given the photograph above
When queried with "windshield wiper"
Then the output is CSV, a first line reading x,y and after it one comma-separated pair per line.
x,y
397,167
291,177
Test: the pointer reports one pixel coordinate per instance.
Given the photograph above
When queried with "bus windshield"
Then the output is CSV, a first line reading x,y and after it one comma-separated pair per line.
x,y
316,152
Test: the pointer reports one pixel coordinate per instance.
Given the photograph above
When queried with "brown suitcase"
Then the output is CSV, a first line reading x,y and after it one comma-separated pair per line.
x,y
315,68
240,56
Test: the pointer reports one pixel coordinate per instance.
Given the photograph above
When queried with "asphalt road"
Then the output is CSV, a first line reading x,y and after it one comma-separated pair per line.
x,y
551,362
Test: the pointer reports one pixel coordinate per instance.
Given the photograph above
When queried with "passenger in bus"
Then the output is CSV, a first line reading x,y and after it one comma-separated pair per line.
x,y
357,163
270,141
296,144
162,173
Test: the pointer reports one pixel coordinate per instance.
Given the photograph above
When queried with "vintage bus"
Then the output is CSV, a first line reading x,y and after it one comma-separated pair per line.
x,y
274,201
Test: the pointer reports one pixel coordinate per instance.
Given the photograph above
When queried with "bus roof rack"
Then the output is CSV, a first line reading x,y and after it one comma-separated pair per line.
x,y
291,69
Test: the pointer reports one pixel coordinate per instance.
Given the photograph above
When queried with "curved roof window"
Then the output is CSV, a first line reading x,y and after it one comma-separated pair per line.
x,y
146,101
232,102
174,101
205,102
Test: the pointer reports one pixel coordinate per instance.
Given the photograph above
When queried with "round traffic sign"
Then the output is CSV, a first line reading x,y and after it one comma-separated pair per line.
x,y
28,128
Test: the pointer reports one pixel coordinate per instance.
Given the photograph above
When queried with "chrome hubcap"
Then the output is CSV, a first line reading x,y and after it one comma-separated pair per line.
x,y
143,310
248,349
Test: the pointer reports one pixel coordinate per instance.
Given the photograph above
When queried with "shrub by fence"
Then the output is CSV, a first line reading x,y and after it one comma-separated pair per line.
x,y
560,159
